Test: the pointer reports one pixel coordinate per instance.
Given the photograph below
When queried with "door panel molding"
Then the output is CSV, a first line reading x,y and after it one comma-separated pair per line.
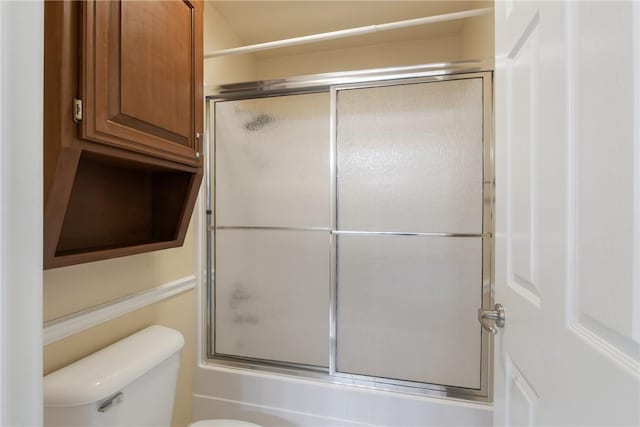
x,y
609,332
522,398
522,136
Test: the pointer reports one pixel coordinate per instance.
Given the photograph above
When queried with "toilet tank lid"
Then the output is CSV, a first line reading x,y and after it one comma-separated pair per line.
x,y
109,370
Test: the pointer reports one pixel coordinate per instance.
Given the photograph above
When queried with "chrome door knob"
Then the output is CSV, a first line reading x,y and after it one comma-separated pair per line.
x,y
495,316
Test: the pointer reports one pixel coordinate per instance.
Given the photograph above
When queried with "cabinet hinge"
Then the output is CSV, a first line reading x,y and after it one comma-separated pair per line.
x,y
77,110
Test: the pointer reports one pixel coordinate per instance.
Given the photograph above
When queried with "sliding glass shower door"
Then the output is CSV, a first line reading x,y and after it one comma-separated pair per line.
x,y
409,245
272,217
352,233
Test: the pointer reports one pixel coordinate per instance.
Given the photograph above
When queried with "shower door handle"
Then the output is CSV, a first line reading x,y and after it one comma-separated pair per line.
x,y
496,315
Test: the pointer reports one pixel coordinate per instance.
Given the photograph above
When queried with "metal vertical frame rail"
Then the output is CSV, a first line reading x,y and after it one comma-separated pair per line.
x,y
333,223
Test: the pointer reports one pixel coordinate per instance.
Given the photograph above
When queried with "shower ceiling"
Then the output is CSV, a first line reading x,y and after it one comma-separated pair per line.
x,y
262,21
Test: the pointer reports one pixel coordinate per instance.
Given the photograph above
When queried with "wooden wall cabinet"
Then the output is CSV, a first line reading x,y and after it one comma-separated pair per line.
x,y
123,115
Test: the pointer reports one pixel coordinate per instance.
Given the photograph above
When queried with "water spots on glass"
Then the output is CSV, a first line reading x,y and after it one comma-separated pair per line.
x,y
258,122
238,296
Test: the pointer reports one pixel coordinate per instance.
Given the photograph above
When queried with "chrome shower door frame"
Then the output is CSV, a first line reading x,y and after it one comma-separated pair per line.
x,y
333,83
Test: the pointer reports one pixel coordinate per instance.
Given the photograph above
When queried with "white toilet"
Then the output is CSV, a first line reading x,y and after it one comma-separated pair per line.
x,y
129,383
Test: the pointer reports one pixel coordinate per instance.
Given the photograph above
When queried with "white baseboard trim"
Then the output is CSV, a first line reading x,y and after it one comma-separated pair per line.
x,y
63,327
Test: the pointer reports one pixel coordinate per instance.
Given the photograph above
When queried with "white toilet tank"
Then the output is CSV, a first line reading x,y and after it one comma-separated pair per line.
x,y
129,383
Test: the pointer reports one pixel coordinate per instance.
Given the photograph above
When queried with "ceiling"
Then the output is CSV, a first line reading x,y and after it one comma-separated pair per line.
x,y
262,21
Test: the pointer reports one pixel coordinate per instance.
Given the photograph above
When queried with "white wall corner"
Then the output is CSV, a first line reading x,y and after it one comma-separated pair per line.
x,y
21,174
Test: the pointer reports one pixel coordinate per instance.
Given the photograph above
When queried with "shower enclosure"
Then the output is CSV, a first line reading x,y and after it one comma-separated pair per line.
x,y
350,228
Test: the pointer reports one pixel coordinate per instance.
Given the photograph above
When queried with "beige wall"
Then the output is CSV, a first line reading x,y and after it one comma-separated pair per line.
x,y
374,56
218,35
474,41
71,289
478,37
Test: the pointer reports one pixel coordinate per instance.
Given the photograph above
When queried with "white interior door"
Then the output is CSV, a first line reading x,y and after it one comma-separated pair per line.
x,y
567,88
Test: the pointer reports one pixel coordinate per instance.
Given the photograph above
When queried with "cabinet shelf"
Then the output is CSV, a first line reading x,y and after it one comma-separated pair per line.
x,y
117,206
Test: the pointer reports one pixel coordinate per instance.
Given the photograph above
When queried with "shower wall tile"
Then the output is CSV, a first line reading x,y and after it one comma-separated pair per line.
x,y
410,157
272,161
284,401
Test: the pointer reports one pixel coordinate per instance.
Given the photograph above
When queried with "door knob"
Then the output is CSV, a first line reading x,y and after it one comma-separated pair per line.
x,y
485,317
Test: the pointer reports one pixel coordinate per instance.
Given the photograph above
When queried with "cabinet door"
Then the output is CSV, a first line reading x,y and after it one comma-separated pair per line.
x,y
141,77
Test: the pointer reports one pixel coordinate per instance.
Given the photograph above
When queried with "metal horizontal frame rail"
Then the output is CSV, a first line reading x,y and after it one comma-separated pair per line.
x,y
332,83
352,232
323,82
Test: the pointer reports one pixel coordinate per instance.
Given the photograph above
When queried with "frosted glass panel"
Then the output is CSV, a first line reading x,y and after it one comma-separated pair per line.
x,y
272,161
410,157
272,295
407,308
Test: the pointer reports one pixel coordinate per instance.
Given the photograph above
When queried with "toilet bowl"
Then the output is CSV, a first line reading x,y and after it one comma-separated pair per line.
x,y
112,386
223,423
